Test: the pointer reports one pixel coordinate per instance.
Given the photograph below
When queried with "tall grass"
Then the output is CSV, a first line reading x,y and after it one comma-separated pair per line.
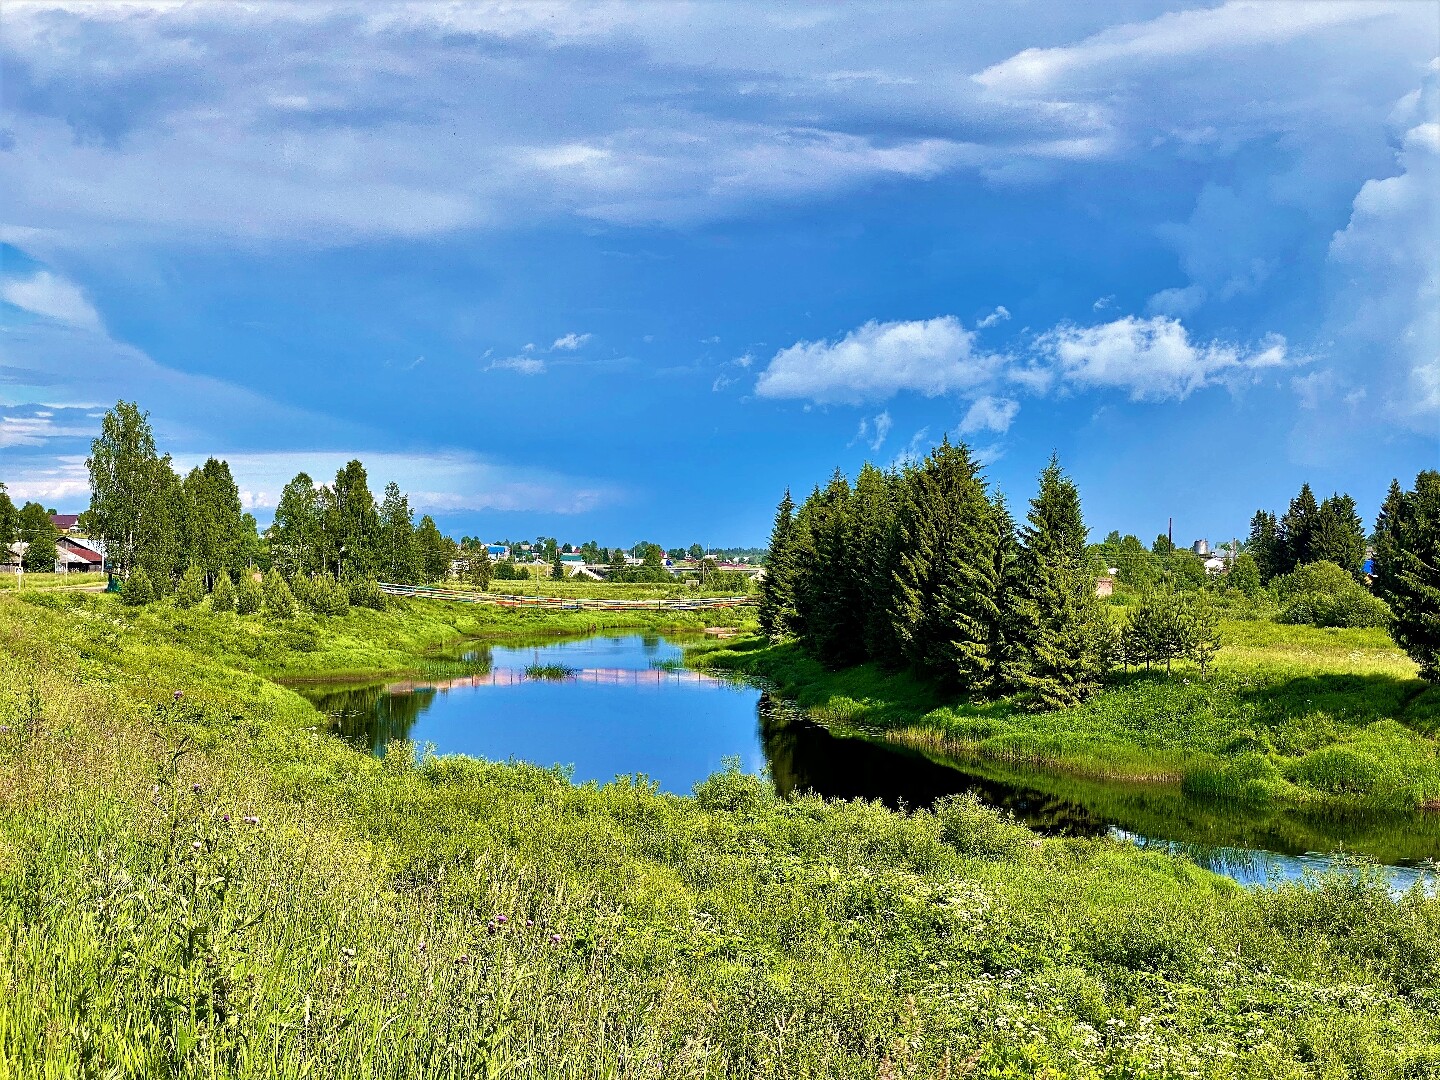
x,y
199,885
1288,714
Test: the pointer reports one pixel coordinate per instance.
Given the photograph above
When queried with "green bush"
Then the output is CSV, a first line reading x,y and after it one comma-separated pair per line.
x,y
222,597
191,590
329,597
302,588
279,601
247,594
137,589
1324,594
972,828
366,593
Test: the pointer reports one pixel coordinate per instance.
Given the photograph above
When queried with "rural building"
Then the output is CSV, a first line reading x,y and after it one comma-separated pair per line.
x,y
1104,586
66,523
72,557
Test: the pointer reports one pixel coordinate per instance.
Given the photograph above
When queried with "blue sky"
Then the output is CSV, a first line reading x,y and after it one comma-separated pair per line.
x,y
621,271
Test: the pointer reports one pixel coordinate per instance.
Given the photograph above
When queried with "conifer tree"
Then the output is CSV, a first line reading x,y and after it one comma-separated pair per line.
x,y
136,591
872,519
1297,530
1061,634
248,598
1407,568
191,590
777,598
353,523
943,606
1264,546
222,597
828,598
1338,535
279,601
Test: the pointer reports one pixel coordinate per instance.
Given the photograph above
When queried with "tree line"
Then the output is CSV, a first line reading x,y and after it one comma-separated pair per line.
x,y
923,567
29,524
1308,532
166,534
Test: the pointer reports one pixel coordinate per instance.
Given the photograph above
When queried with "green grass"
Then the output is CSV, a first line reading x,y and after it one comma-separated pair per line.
x,y
203,886
1288,714
50,581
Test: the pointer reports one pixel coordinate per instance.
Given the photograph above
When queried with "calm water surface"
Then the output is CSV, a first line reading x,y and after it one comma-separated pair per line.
x,y
625,707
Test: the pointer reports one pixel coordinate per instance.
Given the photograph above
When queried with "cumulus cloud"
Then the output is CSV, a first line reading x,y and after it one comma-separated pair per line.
x,y
988,413
569,342
878,360
1151,359
50,296
999,315
1386,310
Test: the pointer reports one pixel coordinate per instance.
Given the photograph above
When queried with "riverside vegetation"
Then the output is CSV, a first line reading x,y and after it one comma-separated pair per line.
x,y
910,605
195,883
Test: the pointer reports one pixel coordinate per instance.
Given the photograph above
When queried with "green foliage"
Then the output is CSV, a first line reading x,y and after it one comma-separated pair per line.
x,y
1407,568
1323,594
435,551
248,597
777,598
1244,575
1167,626
203,886
399,555
9,522
279,601
191,590
1059,640
478,567
326,596
222,596
35,529
136,591
365,593
123,501
506,569
298,542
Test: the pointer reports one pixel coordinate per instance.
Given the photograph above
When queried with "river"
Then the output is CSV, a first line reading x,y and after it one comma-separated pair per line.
x,y
609,706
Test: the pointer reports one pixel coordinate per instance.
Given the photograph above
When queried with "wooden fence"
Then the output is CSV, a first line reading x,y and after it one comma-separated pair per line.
x,y
562,603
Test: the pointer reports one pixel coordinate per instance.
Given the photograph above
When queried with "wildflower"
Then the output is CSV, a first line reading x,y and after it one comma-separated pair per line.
x,y
529,922
225,819
420,947
501,919
195,788
462,959
197,844
554,939
179,694
349,953
250,820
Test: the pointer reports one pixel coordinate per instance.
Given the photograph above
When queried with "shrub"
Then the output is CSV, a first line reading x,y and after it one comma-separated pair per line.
x,y
972,828
302,588
1324,594
247,595
279,600
222,597
366,593
328,597
191,589
137,589
733,791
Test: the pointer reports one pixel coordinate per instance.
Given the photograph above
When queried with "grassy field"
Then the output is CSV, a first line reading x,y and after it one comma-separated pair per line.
x,y
50,581
1288,714
194,883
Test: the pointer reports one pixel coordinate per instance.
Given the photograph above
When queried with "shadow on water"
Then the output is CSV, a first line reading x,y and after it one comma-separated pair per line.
x,y
629,706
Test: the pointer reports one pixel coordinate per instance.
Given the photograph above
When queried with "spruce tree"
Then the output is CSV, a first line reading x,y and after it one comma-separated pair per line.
x,y
1264,546
191,590
1407,568
777,598
943,606
279,601
1061,635
872,518
828,597
1297,531
1338,535
248,598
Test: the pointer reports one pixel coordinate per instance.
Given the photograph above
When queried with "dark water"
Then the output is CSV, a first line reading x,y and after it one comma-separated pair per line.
x,y
624,707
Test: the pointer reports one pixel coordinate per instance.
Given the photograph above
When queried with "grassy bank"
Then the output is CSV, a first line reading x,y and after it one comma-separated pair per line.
x,y
1288,714
201,886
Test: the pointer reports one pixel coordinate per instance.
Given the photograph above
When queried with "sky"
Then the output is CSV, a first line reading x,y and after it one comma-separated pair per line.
x,y
624,271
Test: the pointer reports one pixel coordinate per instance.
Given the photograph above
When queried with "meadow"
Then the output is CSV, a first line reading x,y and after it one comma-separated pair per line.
x,y
194,882
1291,714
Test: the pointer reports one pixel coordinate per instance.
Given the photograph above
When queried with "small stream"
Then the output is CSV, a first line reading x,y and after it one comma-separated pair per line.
x,y
622,705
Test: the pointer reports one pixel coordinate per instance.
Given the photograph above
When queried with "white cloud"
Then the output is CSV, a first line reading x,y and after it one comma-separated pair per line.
x,y
570,342
28,426
873,431
48,295
999,315
1152,359
1386,310
987,413
524,364
879,360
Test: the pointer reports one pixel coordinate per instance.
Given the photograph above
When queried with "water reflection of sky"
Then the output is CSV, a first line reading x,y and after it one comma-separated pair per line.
x,y
625,708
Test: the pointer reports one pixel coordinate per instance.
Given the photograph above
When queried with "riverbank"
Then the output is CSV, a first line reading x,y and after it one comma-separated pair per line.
x,y
192,882
1288,714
